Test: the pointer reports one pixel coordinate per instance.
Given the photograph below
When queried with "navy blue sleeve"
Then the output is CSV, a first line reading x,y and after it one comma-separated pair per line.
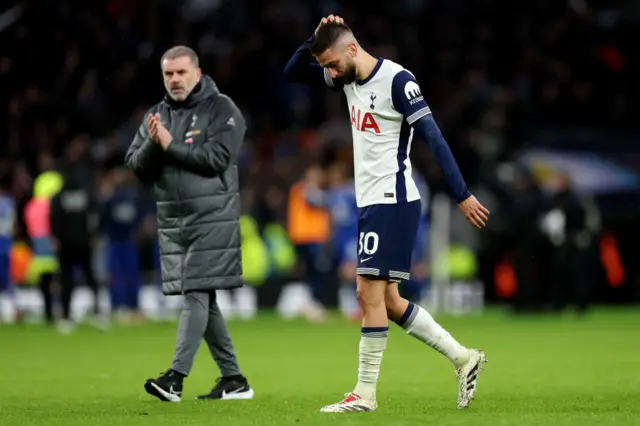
x,y
408,100
303,68
407,97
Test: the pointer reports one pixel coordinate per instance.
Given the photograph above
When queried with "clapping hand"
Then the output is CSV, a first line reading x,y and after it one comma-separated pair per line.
x,y
158,133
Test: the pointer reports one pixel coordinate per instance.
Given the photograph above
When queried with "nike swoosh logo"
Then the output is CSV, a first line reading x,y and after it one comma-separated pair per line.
x,y
364,260
173,392
232,392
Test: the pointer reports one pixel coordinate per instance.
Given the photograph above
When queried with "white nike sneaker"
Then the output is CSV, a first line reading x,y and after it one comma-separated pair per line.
x,y
468,377
352,402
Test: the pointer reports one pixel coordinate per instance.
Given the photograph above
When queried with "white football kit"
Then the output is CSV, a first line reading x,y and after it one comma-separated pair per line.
x,y
382,109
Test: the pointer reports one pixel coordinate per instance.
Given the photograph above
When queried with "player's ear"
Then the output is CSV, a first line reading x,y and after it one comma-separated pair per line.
x,y
352,49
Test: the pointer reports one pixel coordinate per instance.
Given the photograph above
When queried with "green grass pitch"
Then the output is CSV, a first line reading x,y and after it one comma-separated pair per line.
x,y
541,371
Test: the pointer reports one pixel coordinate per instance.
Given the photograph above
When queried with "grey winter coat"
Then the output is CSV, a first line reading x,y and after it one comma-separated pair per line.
x,y
196,188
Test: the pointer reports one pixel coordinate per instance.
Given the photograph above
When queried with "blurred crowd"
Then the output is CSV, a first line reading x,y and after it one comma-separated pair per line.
x,y
77,78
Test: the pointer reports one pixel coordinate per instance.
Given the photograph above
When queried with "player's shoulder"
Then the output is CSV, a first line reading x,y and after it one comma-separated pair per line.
x,y
393,67
395,71
387,72
399,79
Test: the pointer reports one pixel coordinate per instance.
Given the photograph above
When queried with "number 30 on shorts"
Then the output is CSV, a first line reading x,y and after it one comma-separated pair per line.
x,y
368,243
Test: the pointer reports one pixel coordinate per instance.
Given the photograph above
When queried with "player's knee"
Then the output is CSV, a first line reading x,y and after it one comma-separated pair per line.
x,y
370,293
369,299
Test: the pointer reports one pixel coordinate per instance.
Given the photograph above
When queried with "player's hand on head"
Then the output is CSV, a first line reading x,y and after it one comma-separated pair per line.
x,y
330,18
475,212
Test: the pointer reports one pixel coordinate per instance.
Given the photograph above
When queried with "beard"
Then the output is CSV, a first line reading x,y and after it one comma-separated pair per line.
x,y
349,75
178,93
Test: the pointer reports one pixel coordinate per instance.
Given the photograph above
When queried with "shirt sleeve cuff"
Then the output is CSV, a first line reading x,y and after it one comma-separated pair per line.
x,y
466,194
418,115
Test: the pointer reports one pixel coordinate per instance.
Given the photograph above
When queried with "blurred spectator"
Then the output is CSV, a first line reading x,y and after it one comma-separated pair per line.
x,y
571,224
38,228
495,74
309,230
73,217
526,204
7,228
122,213
341,204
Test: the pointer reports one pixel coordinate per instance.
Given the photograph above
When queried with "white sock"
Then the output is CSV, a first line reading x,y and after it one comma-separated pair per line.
x,y
419,324
372,345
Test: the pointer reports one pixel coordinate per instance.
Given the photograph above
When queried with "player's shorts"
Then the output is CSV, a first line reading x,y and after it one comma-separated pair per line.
x,y
386,238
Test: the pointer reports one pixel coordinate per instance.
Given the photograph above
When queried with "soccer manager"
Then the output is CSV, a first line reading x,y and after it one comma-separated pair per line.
x,y
188,146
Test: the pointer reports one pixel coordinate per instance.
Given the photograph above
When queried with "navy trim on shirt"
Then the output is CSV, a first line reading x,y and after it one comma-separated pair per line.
x,y
373,73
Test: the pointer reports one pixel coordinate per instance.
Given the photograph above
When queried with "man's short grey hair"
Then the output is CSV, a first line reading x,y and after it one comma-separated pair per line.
x,y
180,51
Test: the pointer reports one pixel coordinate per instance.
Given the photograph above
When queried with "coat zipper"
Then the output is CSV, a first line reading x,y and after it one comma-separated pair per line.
x,y
181,232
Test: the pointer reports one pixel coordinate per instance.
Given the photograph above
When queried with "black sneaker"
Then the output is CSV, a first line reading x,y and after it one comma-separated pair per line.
x,y
167,387
230,388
